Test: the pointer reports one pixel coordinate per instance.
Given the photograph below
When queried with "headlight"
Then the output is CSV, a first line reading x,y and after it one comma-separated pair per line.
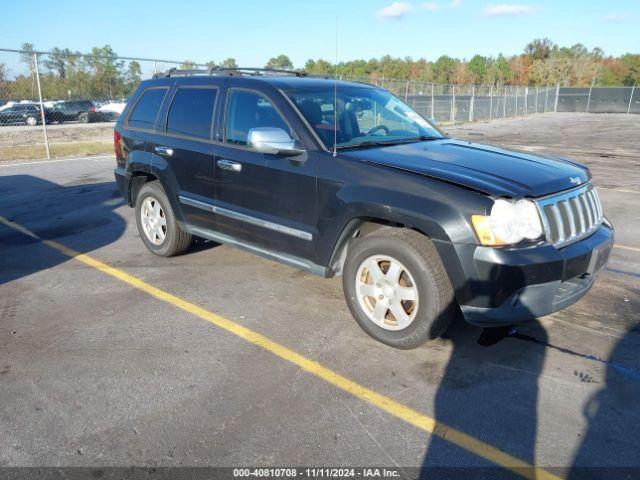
x,y
508,223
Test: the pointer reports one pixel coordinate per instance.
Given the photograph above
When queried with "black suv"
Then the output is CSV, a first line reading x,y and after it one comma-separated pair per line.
x,y
83,111
345,179
22,114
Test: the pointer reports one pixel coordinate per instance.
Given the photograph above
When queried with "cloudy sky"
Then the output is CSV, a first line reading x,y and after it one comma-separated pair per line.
x,y
252,31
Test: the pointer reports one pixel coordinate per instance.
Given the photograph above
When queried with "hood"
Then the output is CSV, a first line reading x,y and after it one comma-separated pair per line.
x,y
488,169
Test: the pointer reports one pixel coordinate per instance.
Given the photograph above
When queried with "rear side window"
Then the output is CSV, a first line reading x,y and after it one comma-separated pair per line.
x,y
247,110
146,110
191,112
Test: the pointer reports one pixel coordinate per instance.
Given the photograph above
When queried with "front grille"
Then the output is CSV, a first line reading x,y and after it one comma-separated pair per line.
x,y
570,216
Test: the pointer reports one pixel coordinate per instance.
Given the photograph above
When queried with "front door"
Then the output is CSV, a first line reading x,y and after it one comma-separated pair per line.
x,y
265,199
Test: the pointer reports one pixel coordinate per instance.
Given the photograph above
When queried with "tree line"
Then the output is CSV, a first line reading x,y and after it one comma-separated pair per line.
x,y
102,74
541,63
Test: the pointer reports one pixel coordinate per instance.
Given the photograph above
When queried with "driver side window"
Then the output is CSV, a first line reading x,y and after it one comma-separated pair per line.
x,y
247,110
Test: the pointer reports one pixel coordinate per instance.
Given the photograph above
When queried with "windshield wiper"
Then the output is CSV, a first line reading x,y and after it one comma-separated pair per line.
x,y
383,143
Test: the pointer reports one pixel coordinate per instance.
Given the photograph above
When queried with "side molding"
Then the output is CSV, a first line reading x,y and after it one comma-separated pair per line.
x,y
294,232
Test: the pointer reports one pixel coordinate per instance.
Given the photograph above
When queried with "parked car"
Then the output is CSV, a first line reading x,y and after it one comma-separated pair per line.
x,y
112,108
420,226
22,114
83,111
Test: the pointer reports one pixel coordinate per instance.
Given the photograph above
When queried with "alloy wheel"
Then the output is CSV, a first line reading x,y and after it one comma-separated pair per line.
x,y
154,221
387,292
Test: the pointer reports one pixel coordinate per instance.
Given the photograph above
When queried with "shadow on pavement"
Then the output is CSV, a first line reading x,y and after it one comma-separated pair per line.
x,y
489,390
613,415
80,215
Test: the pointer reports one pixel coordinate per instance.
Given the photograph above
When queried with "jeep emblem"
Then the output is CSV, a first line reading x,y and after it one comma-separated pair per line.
x,y
575,180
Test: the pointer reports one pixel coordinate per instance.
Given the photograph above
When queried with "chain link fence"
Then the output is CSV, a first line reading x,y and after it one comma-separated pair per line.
x,y
62,103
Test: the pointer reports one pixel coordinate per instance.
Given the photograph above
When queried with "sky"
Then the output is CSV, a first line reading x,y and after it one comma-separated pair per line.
x,y
252,31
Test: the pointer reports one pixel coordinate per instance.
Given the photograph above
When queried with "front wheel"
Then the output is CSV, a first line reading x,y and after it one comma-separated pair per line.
x,y
157,223
397,289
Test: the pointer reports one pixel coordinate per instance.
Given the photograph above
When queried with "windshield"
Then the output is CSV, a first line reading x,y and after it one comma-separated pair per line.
x,y
366,116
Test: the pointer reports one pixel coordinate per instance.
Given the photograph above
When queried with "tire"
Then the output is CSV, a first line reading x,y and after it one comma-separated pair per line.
x,y
173,240
422,276
31,121
83,118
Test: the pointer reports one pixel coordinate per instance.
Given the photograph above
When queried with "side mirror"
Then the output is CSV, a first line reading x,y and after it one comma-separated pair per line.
x,y
273,140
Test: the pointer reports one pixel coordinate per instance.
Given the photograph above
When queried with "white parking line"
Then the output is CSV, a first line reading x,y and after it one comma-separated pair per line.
x,y
93,157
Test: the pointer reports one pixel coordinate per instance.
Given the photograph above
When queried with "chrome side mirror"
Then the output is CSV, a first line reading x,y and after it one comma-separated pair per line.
x,y
272,140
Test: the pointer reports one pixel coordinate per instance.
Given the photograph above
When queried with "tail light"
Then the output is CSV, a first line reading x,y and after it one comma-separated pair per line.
x,y
116,145
92,109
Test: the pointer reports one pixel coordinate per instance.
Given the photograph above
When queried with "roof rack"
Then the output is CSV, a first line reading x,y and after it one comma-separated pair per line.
x,y
230,72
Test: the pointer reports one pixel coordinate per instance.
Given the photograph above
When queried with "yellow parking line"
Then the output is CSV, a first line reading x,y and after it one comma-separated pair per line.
x,y
626,247
392,407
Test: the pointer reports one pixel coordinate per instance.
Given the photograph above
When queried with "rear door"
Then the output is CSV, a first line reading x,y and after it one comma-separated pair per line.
x,y
265,199
184,151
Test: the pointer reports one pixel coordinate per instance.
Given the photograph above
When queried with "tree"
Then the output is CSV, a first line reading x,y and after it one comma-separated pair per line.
x,y
229,63
3,82
477,68
539,49
59,60
188,65
319,66
281,62
133,75
499,71
631,63
107,72
27,57
520,66
444,69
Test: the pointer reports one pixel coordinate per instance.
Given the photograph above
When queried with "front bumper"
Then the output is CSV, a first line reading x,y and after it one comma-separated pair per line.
x,y
506,286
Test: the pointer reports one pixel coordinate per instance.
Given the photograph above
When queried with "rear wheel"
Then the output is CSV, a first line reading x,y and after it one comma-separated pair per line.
x,y
397,289
31,121
157,223
83,118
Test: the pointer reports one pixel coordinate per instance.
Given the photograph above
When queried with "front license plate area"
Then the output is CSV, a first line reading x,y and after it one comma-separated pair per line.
x,y
599,257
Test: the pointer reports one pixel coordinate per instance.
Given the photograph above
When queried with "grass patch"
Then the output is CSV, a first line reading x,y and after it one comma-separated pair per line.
x,y
31,152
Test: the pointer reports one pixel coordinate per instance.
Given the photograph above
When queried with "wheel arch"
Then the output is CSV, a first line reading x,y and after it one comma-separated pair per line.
x,y
365,225
138,179
358,227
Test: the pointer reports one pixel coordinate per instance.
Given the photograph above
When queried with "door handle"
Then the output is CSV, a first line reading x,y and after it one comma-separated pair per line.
x,y
163,150
229,165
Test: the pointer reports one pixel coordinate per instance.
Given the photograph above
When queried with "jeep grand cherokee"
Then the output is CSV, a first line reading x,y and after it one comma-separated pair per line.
x,y
345,179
